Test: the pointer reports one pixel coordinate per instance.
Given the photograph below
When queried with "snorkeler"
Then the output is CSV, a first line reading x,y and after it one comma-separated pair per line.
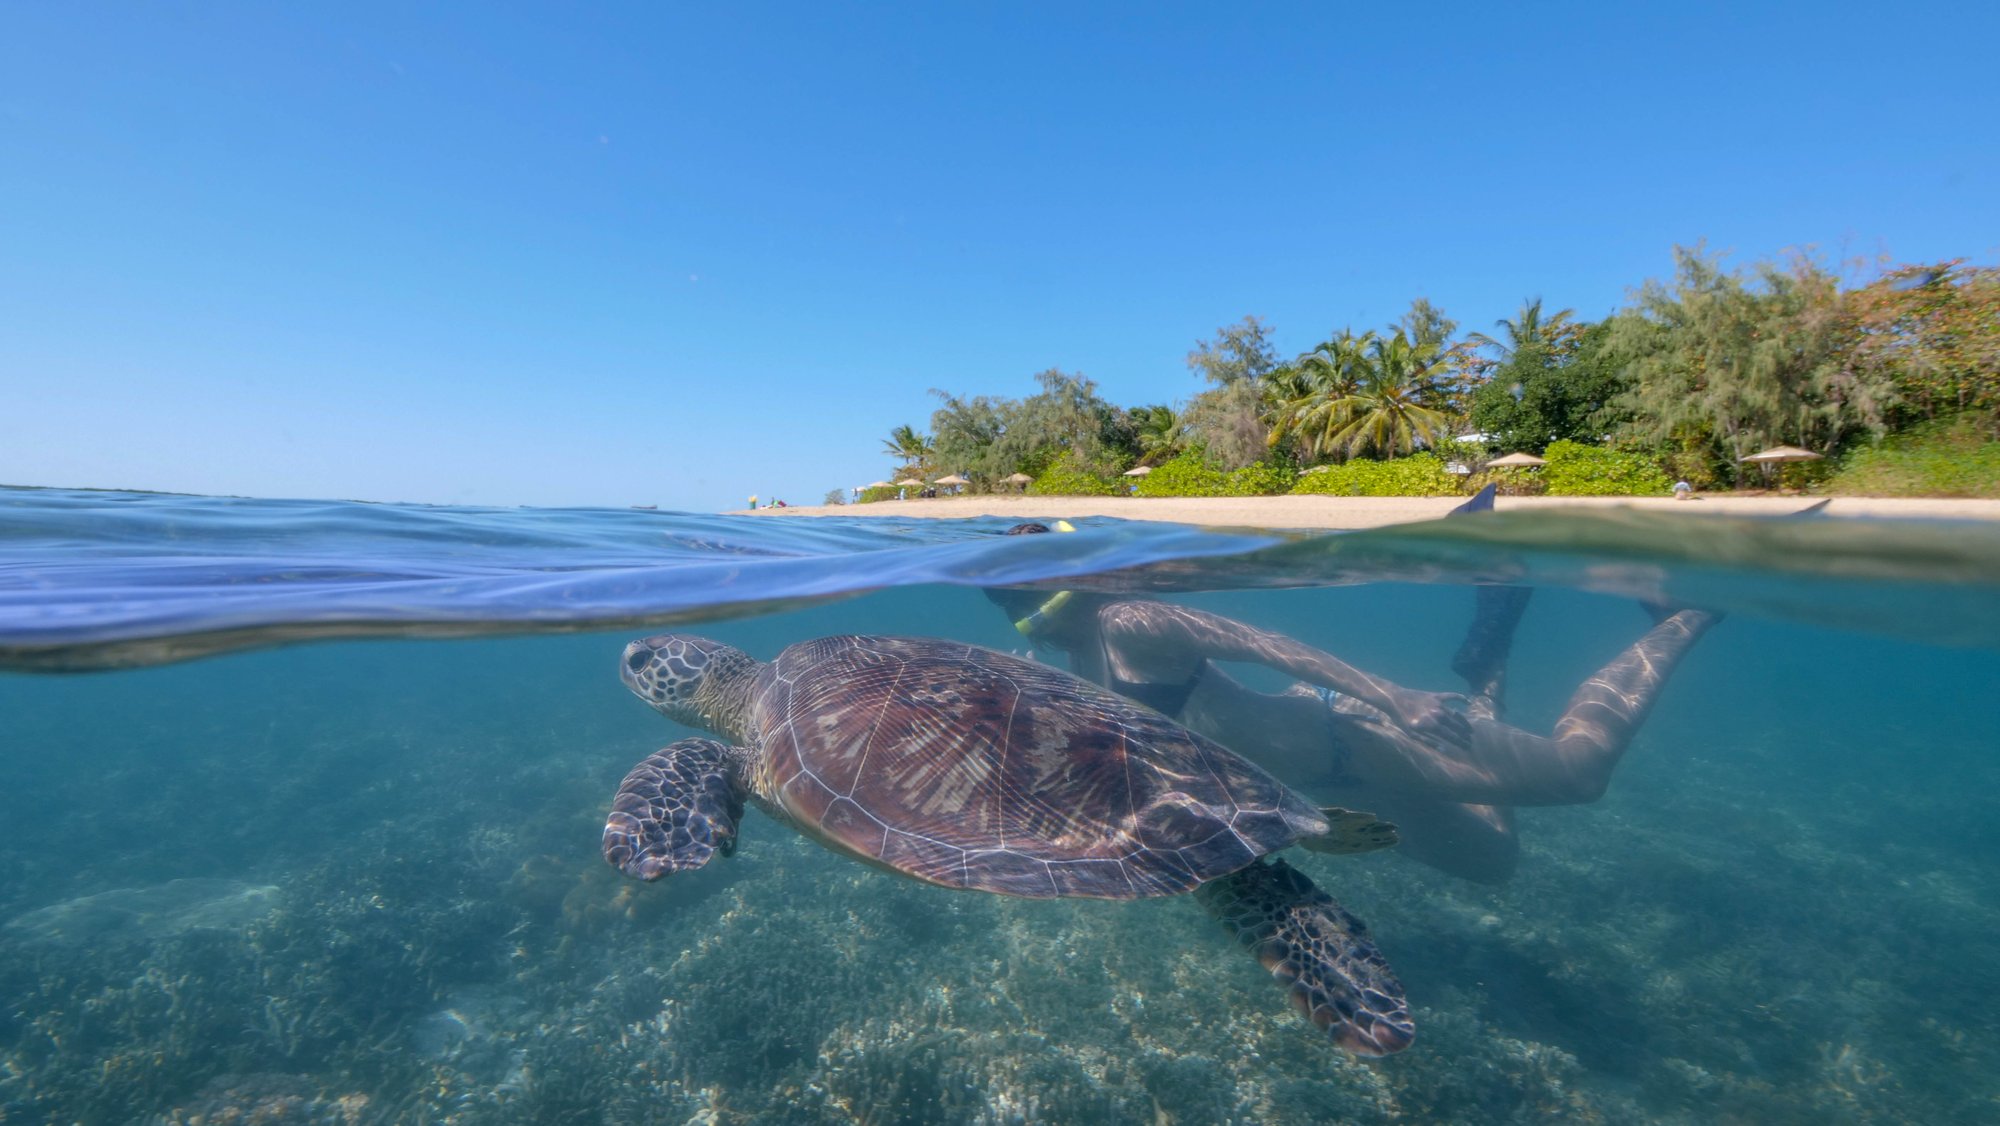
x,y
1445,767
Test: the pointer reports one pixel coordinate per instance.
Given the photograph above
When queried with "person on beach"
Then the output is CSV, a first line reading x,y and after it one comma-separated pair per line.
x,y
1445,767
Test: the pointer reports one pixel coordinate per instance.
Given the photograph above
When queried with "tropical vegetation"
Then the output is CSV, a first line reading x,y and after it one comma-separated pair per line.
x,y
1888,377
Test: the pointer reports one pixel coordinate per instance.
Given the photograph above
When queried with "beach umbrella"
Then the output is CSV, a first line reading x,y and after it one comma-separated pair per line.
x,y
1512,460
909,483
1138,471
1776,454
878,485
1020,479
954,479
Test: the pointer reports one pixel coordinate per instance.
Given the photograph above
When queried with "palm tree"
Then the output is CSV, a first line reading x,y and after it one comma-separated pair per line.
x,y
1162,433
1531,330
1315,397
909,447
1395,408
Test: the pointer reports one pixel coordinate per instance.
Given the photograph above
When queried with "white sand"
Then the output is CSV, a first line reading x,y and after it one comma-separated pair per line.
x,y
1362,512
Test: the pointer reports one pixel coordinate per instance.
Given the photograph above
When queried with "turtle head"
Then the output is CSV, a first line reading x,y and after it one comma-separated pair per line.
x,y
692,680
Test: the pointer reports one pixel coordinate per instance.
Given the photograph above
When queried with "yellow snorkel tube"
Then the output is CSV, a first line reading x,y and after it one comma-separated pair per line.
x,y
1035,621
1031,624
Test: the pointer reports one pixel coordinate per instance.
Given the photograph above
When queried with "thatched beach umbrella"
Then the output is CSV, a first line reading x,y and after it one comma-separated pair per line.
x,y
878,485
1515,460
909,483
1019,479
954,479
1777,454
1138,471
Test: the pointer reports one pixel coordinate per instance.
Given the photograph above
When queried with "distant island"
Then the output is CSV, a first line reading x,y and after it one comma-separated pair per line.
x,y
1787,375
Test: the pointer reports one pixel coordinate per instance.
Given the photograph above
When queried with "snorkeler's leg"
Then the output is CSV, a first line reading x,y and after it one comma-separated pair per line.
x,y
1504,765
1609,706
1151,640
1482,657
1481,660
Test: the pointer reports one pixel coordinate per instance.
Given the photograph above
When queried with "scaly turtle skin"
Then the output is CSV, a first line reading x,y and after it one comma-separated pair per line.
x,y
968,768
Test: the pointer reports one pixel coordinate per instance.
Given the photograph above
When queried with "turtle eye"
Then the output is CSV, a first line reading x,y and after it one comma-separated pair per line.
x,y
638,660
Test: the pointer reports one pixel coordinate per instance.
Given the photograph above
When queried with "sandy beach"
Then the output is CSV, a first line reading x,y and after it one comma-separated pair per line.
x,y
1364,512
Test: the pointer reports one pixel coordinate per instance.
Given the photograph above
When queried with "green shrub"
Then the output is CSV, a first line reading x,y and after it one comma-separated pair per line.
x,y
870,496
1065,480
1946,458
1185,476
1511,481
1260,480
1577,470
1190,475
1419,475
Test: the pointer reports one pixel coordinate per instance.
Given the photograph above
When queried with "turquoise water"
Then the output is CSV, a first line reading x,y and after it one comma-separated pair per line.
x,y
355,876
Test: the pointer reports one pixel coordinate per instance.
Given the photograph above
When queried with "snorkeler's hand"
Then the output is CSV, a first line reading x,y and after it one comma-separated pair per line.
x,y
1437,716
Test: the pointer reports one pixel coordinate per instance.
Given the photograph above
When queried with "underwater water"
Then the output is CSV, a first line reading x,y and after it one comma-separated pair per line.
x,y
355,877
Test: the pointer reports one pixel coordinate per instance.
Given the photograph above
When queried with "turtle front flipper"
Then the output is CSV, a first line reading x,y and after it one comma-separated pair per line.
x,y
675,810
1319,952
1350,831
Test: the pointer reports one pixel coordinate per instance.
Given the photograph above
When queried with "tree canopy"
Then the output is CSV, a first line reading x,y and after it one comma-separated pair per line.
x,y
1697,371
1724,363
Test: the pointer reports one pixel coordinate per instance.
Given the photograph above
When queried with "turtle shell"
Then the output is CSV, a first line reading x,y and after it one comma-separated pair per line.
x,y
964,767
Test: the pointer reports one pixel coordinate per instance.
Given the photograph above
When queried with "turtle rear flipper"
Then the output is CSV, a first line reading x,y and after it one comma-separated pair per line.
x,y
1351,831
1319,952
675,810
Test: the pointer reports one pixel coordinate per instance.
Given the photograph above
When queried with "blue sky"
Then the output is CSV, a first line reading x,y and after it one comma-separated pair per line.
x,y
673,255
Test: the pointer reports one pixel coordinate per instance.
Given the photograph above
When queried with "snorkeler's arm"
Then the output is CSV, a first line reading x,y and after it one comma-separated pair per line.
x,y
1136,629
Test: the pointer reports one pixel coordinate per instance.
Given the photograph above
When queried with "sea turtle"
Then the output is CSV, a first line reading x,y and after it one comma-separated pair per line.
x,y
965,767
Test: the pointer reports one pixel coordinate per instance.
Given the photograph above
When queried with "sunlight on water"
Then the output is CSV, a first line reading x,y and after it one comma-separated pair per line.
x,y
360,881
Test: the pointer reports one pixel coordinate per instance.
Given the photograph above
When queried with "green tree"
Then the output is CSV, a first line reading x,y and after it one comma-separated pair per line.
x,y
1553,335
1723,363
1926,343
1319,394
911,450
1427,326
987,437
966,431
1547,391
1160,433
1227,423
1367,394
1239,352
1453,365
1066,418
1400,399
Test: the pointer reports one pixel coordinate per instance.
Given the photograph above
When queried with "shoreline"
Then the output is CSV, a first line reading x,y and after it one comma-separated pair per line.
x,y
1351,513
